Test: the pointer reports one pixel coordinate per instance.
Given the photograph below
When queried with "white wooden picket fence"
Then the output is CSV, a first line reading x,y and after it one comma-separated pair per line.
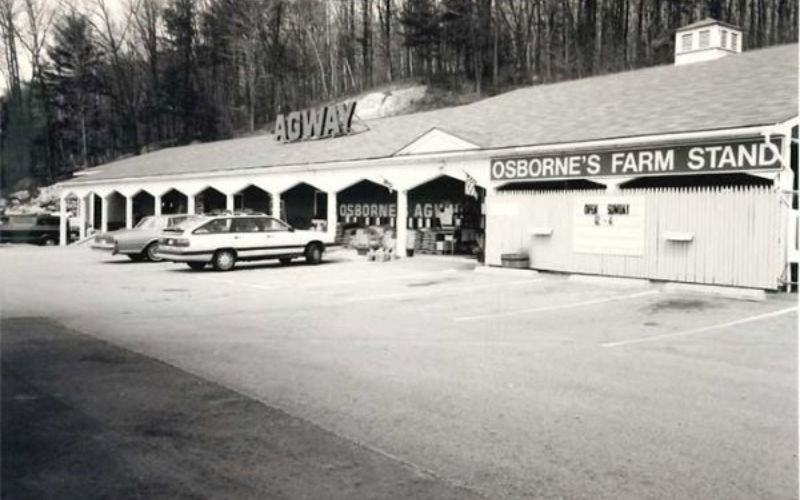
x,y
724,236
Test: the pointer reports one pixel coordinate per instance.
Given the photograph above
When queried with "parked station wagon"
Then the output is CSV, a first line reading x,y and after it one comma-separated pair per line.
x,y
224,240
141,242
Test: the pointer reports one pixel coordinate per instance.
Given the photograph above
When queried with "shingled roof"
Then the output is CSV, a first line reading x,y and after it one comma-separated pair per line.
x,y
759,87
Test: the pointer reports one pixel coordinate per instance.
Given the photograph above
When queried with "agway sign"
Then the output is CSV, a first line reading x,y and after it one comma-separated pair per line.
x,y
317,123
723,157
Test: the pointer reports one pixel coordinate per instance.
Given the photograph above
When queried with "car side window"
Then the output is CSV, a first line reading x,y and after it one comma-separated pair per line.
x,y
215,226
275,225
247,225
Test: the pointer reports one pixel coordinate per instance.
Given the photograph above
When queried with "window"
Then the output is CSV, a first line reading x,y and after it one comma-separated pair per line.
x,y
179,221
275,225
686,42
47,221
248,225
148,223
724,39
734,41
705,39
215,226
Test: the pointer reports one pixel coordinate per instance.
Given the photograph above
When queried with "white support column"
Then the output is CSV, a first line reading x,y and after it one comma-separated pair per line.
x,y
62,227
332,216
190,199
128,212
82,212
157,205
275,204
229,206
104,214
402,222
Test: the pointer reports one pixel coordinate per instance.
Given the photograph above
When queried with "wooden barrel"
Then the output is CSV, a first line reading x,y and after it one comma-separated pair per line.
x,y
515,260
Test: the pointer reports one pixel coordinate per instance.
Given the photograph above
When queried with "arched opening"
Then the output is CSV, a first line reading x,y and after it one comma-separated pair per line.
x,y
144,204
95,211
304,207
115,216
174,202
252,199
365,204
446,217
73,203
209,201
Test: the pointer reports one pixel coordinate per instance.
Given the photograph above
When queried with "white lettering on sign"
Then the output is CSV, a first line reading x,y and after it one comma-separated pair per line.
x,y
417,210
740,155
318,123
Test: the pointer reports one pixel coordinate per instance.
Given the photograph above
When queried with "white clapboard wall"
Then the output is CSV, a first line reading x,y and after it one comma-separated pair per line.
x,y
723,236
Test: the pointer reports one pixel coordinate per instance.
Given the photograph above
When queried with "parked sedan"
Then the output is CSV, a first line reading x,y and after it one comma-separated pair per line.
x,y
141,242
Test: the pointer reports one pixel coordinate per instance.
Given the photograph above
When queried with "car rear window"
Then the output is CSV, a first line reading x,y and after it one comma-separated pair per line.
x,y
181,221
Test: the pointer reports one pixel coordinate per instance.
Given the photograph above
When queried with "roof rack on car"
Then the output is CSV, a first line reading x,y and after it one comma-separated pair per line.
x,y
233,212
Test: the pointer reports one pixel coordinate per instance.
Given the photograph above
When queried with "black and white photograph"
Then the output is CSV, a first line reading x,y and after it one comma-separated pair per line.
x,y
399,249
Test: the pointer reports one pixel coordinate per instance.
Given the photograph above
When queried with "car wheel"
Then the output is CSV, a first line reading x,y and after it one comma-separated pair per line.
x,y
223,260
285,261
151,252
314,254
49,242
196,266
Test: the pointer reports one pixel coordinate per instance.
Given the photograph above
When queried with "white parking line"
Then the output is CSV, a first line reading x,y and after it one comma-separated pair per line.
x,y
437,291
556,307
701,330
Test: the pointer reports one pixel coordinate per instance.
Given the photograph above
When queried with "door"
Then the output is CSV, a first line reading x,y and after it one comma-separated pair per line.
x,y
283,239
250,237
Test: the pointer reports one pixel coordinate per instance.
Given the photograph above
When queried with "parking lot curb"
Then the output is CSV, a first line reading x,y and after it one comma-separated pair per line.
x,y
505,271
609,281
728,292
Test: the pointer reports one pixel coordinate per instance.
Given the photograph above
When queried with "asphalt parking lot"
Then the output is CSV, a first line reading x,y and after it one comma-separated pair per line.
x,y
511,386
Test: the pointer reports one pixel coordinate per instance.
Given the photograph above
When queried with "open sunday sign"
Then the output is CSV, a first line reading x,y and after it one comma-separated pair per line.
x,y
742,155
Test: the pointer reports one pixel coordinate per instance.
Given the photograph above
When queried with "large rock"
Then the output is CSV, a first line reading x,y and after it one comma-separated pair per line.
x,y
389,102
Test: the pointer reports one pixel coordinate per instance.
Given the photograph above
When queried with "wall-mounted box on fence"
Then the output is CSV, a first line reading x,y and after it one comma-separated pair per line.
x,y
678,236
541,231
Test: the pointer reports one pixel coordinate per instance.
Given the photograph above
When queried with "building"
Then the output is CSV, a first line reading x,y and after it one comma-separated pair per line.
x,y
580,175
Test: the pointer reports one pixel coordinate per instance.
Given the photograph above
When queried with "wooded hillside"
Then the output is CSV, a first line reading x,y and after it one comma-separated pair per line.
x,y
154,73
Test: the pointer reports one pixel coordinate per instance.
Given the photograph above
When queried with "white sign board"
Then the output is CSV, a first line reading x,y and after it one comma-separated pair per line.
x,y
608,225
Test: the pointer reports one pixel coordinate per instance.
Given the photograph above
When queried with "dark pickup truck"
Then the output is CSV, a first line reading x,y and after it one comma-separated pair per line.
x,y
39,229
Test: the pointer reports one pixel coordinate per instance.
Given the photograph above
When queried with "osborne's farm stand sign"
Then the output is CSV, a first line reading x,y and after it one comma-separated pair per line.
x,y
721,157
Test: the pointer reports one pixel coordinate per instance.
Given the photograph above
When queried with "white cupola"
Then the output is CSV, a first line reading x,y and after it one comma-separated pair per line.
x,y
706,40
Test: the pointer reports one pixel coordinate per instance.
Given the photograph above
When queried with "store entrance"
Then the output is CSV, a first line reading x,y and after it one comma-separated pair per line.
x,y
367,216
444,219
